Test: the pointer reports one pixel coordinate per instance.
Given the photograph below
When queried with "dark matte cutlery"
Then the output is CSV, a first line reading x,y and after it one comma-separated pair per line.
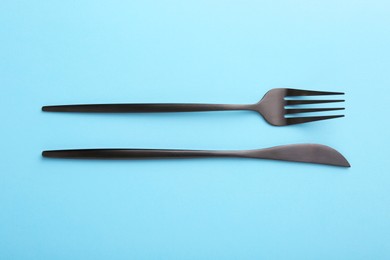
x,y
277,107
308,153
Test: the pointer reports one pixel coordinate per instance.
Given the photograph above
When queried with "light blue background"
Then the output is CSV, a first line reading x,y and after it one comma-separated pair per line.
x,y
62,52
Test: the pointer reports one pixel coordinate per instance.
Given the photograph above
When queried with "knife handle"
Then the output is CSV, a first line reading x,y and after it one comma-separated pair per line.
x,y
137,154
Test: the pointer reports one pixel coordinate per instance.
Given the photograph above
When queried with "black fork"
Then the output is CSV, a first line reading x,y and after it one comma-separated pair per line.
x,y
276,107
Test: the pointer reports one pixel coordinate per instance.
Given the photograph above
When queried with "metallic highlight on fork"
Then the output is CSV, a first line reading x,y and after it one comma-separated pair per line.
x,y
272,107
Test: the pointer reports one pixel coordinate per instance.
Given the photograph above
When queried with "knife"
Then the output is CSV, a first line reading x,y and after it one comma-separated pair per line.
x,y
306,153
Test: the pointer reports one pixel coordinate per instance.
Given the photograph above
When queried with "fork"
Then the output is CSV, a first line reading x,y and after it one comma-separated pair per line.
x,y
307,153
276,107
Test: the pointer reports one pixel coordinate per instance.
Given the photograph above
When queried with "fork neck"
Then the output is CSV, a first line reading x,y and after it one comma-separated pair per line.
x,y
221,107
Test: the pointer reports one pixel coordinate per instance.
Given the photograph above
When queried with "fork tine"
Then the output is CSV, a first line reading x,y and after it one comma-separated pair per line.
x,y
306,102
306,110
301,92
300,120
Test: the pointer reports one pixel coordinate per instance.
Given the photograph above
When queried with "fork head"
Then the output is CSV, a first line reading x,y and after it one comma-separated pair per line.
x,y
278,109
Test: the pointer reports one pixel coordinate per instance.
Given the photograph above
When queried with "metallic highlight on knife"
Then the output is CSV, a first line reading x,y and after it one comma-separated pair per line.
x,y
307,153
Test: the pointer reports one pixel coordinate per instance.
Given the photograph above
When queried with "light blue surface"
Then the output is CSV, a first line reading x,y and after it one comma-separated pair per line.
x,y
61,52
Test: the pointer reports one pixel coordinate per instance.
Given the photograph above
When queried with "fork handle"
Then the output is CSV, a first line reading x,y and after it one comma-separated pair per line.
x,y
145,108
139,154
